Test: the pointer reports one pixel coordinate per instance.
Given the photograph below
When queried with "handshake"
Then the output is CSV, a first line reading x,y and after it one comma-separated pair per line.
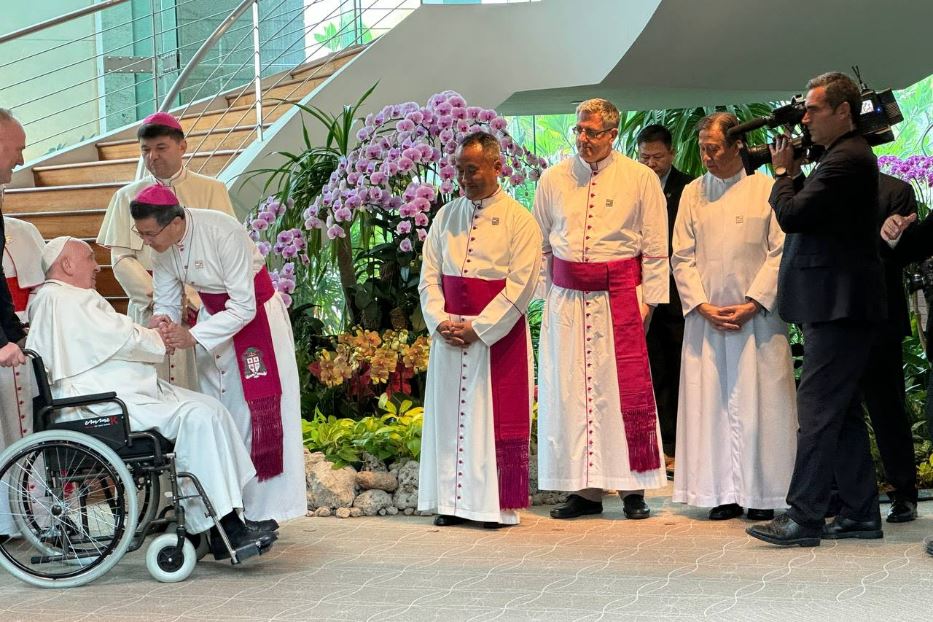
x,y
174,336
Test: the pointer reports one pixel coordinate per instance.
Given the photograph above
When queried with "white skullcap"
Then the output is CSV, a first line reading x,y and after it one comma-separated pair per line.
x,y
52,251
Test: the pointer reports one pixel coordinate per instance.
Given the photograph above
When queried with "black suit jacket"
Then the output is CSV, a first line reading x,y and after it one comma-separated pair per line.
x,y
673,188
11,329
895,197
830,269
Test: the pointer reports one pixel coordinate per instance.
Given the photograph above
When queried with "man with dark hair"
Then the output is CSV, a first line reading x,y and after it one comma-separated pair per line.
x,y
831,283
242,340
481,263
163,146
666,333
12,144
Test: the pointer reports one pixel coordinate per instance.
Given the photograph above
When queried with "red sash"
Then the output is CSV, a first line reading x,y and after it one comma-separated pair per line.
x,y
19,294
259,374
636,395
508,372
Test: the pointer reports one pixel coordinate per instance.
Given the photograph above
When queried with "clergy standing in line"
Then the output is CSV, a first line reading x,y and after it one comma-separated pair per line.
x,y
737,420
481,262
604,222
22,259
163,146
89,348
243,338
12,144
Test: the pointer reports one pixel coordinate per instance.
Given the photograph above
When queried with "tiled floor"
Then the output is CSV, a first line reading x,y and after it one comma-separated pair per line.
x,y
674,566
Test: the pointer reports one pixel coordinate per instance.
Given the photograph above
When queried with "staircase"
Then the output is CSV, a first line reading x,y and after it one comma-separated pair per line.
x,y
71,199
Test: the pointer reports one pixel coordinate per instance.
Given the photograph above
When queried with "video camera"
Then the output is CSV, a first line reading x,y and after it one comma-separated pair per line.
x,y
879,112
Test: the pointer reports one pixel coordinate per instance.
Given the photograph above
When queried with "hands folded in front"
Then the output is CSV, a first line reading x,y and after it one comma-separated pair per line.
x,y
460,334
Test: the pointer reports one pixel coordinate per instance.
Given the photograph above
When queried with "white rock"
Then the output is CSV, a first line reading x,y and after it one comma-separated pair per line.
x,y
329,487
391,510
406,495
322,512
409,511
343,513
373,502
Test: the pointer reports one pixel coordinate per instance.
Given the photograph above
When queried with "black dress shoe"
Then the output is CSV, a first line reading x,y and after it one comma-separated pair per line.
x,y
785,531
726,511
263,525
843,527
753,514
447,520
634,507
494,525
577,506
902,512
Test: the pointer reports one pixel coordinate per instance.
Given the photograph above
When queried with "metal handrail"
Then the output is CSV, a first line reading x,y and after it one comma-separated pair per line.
x,y
60,19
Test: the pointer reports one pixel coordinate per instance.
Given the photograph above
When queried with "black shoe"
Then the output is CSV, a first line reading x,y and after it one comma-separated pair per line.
x,y
246,542
930,547
493,525
447,520
263,525
843,527
634,507
785,531
725,512
753,514
902,512
577,506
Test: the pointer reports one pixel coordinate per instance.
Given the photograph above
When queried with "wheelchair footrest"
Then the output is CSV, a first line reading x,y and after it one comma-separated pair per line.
x,y
252,550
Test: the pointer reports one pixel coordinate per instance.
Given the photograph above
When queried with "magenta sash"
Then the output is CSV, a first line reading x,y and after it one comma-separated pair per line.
x,y
259,373
636,395
508,372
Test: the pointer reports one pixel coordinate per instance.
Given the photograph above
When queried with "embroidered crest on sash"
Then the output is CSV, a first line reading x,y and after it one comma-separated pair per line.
x,y
254,365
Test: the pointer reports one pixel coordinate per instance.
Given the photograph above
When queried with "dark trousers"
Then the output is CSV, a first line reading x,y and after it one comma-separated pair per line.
x,y
665,340
832,440
884,394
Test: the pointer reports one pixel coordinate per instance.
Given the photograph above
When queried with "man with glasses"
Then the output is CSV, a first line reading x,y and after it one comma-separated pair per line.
x,y
604,224
242,341
162,144
655,150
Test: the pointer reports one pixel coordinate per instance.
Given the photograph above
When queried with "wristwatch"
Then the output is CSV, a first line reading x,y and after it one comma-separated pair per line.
x,y
780,171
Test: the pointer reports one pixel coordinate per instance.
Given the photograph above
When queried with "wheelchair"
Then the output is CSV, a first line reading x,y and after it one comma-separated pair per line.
x,y
83,493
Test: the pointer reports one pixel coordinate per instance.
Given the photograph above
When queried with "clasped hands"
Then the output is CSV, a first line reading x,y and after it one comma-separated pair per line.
x,y
459,334
729,318
174,336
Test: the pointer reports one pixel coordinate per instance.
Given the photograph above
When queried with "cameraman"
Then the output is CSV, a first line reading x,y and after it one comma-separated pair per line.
x,y
830,283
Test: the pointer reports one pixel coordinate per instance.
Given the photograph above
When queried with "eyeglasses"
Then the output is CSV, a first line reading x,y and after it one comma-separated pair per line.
x,y
591,134
147,236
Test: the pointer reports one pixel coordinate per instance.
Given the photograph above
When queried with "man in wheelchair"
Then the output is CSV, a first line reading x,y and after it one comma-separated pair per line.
x,y
89,348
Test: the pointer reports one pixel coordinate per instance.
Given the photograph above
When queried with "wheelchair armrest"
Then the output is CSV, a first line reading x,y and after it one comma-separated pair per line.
x,y
83,400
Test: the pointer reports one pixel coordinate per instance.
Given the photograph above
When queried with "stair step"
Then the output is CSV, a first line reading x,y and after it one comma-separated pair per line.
x,y
330,64
198,141
231,117
123,170
291,90
19,201
80,224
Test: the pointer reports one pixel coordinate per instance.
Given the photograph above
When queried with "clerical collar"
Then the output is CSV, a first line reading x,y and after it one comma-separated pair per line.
x,y
487,201
176,178
596,166
184,239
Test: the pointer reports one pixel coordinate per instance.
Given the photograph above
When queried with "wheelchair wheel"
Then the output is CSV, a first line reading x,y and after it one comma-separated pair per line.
x,y
166,562
74,502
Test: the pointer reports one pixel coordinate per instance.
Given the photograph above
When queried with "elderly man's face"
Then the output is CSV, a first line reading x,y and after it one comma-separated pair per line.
x,y
719,158
82,266
12,144
163,155
477,174
594,139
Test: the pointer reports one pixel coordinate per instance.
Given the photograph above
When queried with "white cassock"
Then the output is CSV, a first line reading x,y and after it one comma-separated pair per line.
x,y
617,212
737,415
22,258
132,259
88,348
216,256
499,240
